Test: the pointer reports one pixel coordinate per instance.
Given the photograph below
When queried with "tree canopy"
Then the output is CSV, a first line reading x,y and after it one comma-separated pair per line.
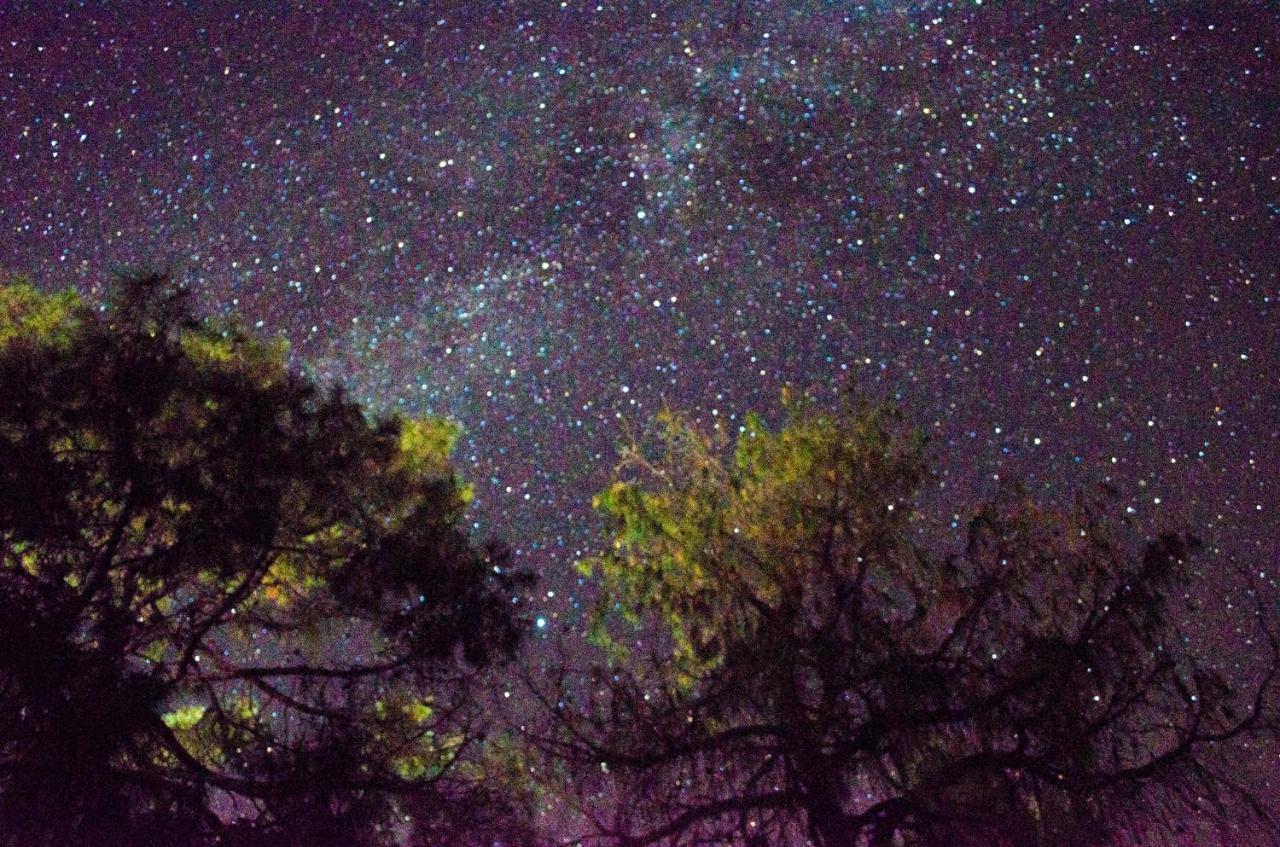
x,y
238,609
783,661
233,607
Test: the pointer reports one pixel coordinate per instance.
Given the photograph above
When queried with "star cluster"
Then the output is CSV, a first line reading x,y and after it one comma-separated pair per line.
x,y
1048,230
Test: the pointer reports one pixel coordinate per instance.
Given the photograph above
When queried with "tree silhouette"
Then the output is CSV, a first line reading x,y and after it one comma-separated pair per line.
x,y
232,609
783,662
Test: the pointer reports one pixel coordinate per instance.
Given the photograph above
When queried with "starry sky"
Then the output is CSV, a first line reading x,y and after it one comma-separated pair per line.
x,y
1048,230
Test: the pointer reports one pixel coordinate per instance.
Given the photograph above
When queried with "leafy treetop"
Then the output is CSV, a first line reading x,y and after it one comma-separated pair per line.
x,y
231,605
783,661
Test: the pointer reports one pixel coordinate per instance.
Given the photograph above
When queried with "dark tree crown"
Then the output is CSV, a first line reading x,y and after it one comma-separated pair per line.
x,y
819,677
230,603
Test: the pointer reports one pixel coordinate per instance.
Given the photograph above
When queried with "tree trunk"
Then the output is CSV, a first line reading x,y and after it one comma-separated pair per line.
x,y
829,824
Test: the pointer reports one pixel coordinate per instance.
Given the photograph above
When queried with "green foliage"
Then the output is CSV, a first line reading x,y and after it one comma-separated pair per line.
x,y
699,533
425,444
255,566
780,656
29,317
184,717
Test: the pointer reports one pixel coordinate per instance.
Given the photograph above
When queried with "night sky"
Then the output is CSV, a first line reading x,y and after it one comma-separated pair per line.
x,y
1050,231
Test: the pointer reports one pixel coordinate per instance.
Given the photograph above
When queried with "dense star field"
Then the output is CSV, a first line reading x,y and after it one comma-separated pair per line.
x,y
1048,230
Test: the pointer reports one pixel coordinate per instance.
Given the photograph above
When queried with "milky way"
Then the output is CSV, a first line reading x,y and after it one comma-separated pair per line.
x,y
1048,231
